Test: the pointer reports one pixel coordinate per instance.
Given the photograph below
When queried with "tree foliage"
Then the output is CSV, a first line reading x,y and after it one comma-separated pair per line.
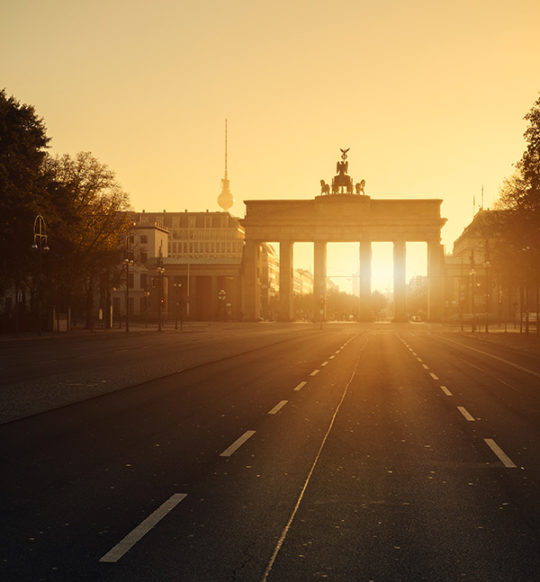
x,y
23,143
90,223
519,251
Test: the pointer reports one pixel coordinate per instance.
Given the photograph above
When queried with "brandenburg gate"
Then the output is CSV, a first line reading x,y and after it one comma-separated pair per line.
x,y
342,213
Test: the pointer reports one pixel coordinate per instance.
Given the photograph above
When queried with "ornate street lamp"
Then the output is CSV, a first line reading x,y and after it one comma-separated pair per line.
x,y
40,245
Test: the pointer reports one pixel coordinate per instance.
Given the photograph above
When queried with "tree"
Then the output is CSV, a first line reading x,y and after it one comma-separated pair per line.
x,y
89,228
518,255
23,143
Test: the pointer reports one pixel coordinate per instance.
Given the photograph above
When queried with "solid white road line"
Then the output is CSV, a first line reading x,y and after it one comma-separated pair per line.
x,y
278,407
314,373
237,444
324,364
466,414
503,457
446,391
142,529
434,376
300,386
537,374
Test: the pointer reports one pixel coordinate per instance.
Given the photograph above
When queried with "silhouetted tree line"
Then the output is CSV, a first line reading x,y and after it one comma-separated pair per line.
x,y
84,210
515,232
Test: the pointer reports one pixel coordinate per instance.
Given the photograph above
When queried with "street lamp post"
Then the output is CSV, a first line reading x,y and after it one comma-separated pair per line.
x,y
146,301
40,244
177,287
488,295
127,263
161,271
473,310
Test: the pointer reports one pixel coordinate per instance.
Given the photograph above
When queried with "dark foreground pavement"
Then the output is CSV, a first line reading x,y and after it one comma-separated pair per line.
x,y
284,453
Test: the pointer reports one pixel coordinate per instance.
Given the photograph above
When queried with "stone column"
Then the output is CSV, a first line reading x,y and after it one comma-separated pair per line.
x,y
319,281
365,280
435,280
250,288
285,280
400,287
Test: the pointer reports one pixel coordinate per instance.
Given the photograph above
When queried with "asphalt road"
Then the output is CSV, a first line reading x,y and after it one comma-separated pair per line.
x,y
285,453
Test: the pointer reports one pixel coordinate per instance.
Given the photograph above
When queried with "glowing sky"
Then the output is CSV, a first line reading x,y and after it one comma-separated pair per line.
x,y
429,96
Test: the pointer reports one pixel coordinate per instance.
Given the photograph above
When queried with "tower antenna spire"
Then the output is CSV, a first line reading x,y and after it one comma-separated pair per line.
x,y
225,148
225,199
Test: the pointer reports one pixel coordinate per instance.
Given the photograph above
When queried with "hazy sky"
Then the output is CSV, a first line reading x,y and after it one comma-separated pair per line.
x,y
428,95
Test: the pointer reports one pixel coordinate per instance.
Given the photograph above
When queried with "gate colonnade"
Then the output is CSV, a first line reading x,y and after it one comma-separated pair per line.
x,y
342,218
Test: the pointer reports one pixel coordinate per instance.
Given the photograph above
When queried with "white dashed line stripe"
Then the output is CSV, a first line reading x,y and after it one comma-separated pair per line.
x,y
434,376
237,443
446,391
324,364
142,529
300,386
425,366
314,373
466,414
503,457
278,407
331,357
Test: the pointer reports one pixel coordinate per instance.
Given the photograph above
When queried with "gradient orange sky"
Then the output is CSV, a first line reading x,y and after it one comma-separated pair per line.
x,y
428,96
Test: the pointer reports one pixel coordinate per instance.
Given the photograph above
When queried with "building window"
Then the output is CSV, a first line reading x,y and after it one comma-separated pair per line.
x,y
144,257
131,280
143,239
144,280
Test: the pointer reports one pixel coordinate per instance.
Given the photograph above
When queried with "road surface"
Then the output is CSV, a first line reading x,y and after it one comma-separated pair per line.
x,y
279,453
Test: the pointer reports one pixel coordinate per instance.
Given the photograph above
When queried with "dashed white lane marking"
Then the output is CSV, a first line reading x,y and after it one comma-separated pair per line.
x,y
142,529
503,457
331,357
446,391
466,414
324,364
425,367
278,407
434,376
314,373
237,444
300,386
420,360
